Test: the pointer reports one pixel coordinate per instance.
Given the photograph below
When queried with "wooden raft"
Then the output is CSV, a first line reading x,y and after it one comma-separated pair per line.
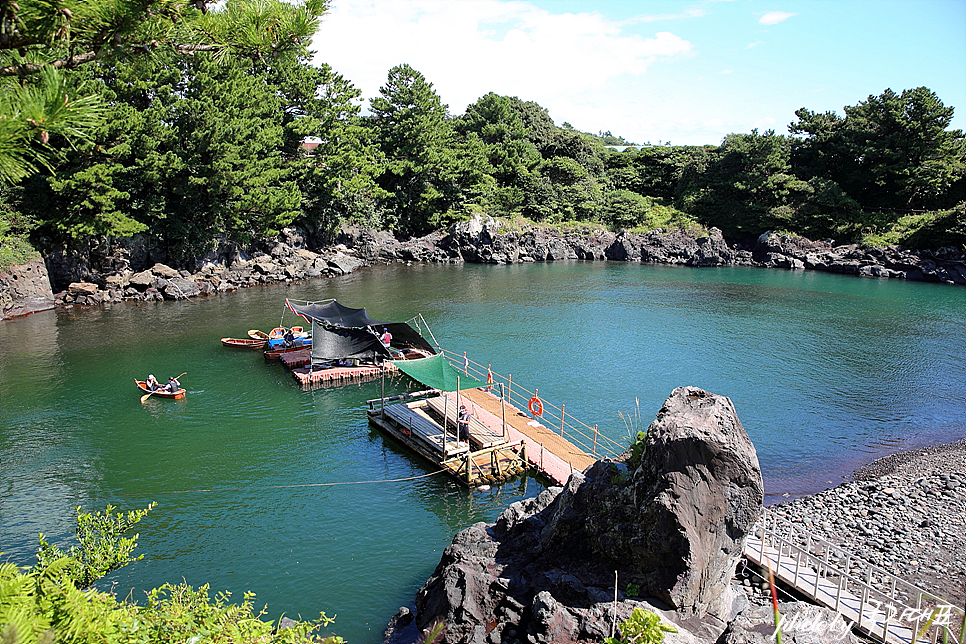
x,y
415,424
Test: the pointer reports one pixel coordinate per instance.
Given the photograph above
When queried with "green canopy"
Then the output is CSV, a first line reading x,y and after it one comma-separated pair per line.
x,y
436,372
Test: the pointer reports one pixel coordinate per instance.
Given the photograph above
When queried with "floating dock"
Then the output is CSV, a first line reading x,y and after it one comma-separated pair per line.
x,y
317,375
428,427
420,426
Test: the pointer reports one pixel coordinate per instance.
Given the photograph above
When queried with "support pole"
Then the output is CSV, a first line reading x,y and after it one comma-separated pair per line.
x,y
594,453
503,409
563,408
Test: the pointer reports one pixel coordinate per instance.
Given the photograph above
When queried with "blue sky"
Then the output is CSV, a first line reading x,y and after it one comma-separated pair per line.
x,y
673,71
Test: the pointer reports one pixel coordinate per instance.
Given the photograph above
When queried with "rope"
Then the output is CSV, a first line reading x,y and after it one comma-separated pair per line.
x,y
280,487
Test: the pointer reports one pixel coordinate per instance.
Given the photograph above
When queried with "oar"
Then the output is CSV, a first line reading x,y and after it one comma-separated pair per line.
x,y
149,394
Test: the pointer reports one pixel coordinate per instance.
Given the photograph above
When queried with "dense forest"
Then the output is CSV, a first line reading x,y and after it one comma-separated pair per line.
x,y
192,144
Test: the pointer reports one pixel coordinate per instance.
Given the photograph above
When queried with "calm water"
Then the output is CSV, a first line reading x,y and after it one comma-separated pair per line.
x,y
826,372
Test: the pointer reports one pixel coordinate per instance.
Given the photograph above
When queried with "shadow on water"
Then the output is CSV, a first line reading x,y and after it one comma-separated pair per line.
x,y
264,486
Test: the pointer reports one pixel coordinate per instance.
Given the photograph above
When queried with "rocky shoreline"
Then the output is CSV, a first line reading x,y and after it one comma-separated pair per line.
x,y
905,513
104,270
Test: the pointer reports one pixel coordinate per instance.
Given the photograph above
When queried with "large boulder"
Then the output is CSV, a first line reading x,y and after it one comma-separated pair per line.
x,y
669,519
25,289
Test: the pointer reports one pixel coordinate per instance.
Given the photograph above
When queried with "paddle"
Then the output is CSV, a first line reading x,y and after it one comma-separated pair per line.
x,y
150,393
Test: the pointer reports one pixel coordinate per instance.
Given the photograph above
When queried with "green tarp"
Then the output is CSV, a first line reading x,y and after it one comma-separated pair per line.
x,y
436,372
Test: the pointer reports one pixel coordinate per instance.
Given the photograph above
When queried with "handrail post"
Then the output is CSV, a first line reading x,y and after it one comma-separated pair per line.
x,y
593,453
563,408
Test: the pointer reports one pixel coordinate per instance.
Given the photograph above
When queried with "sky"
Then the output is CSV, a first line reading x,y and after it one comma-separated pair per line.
x,y
657,71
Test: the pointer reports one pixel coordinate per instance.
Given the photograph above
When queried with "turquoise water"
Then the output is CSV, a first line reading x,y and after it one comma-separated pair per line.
x,y
826,372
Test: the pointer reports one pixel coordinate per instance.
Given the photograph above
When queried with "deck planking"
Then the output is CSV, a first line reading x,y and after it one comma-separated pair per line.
x,y
548,451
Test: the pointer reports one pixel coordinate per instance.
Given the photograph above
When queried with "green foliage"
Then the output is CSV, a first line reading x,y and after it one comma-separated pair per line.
x,y
338,178
934,229
428,175
34,109
889,151
102,547
42,37
627,210
15,248
642,627
51,602
633,590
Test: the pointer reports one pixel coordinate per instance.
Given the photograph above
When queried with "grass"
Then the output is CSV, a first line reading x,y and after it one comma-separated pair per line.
x,y
15,250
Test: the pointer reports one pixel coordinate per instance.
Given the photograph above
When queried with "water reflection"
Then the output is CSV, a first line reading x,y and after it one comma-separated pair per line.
x,y
826,372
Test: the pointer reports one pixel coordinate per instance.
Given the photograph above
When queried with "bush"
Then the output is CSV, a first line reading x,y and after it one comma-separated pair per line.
x,y
51,602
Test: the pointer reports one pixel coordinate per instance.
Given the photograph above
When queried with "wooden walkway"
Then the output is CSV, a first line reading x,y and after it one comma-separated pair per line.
x,y
551,454
877,603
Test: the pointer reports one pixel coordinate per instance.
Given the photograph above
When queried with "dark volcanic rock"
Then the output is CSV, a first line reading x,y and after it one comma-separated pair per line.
x,y
674,526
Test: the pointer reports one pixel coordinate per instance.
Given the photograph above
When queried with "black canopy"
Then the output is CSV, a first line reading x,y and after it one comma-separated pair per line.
x,y
333,314
340,332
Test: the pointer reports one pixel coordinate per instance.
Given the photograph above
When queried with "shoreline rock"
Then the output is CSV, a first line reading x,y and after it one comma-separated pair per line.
x,y
666,523
101,270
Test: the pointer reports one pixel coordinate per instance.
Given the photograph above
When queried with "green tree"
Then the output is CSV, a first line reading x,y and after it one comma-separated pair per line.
x,y
889,151
429,177
40,38
745,187
195,147
53,601
338,178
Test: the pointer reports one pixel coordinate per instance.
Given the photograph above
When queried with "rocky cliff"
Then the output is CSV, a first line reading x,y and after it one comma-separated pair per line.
x,y
102,270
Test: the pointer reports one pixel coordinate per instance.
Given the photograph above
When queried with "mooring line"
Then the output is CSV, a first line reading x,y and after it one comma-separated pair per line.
x,y
279,487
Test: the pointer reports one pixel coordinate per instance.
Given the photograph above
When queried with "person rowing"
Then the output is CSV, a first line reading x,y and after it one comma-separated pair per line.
x,y
173,385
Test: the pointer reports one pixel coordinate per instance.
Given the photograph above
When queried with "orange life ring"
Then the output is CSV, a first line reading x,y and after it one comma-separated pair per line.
x,y
536,406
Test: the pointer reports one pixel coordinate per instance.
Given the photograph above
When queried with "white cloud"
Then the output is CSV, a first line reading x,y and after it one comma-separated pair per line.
x,y
726,71
754,44
472,47
774,17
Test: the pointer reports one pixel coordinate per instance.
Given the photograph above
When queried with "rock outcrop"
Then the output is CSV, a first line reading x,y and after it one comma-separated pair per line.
x,y
25,289
669,522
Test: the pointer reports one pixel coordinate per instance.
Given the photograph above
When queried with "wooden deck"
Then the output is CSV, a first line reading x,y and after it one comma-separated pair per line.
x,y
551,454
480,434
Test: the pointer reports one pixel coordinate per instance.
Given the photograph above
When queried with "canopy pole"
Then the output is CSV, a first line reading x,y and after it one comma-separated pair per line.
x,y
445,414
382,384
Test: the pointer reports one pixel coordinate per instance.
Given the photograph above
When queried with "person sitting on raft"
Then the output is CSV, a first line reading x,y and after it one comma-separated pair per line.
x,y
151,383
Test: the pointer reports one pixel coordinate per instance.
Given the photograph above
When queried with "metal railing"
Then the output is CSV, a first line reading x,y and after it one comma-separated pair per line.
x,y
587,438
876,601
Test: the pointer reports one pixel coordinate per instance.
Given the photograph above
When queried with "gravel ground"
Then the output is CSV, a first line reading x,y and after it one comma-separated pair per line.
x,y
905,513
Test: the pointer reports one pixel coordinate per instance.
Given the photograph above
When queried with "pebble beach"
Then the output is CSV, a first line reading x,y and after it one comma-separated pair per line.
x,y
905,513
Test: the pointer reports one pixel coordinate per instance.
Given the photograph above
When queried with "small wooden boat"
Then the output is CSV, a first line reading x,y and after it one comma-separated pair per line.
x,y
273,353
245,343
160,393
255,334
277,333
